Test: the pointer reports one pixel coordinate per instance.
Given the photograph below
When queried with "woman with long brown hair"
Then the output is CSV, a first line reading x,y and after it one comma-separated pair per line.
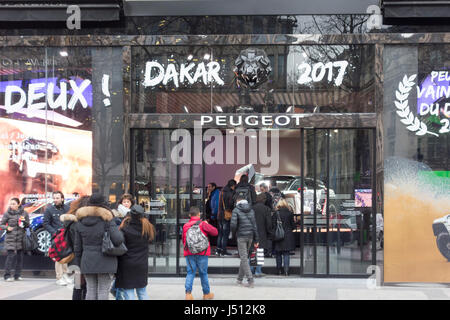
x,y
132,270
283,247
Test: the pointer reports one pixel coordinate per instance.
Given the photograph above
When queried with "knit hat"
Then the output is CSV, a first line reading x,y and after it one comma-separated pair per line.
x,y
137,210
97,199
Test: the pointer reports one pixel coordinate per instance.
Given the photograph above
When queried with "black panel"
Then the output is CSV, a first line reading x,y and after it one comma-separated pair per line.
x,y
96,10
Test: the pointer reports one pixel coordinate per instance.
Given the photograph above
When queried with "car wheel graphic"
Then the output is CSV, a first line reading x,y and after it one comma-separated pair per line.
x,y
443,243
44,240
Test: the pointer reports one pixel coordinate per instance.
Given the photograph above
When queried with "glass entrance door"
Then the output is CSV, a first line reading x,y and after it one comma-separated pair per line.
x,y
336,191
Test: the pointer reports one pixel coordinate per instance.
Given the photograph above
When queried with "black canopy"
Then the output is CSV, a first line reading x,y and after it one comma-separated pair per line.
x,y
41,10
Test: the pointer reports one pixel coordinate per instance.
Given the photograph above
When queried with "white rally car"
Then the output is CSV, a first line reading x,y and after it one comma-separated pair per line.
x,y
441,230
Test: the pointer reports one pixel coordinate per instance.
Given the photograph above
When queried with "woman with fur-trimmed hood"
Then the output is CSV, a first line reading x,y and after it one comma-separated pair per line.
x,y
97,268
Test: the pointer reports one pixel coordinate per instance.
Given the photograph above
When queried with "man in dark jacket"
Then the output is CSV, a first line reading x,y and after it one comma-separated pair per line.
x,y
52,224
225,203
265,190
243,225
263,217
244,184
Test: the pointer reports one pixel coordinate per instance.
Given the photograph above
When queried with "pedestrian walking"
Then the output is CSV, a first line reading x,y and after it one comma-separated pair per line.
x,y
287,244
196,251
14,221
69,221
97,268
243,225
263,217
132,270
52,224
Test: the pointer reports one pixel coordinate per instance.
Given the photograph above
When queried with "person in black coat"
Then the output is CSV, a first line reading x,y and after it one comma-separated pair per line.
x,y
283,247
97,268
132,271
14,221
263,217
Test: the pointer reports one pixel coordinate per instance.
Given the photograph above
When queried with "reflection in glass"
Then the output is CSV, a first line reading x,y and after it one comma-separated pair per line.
x,y
155,188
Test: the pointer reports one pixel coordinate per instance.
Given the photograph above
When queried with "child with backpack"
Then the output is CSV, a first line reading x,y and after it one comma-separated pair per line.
x,y
197,250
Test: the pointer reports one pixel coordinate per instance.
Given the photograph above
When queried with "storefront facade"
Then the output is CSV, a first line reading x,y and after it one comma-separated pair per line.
x,y
351,121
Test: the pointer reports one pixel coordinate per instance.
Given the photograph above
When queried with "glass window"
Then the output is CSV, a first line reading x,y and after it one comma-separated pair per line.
x,y
416,168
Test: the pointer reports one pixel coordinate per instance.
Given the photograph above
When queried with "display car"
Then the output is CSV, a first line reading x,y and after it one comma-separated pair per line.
x,y
441,230
32,158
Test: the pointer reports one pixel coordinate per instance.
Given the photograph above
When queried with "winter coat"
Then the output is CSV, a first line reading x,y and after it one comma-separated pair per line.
x,y
263,218
214,203
92,223
287,219
252,190
120,214
269,200
14,238
132,270
243,223
51,222
70,222
207,229
226,198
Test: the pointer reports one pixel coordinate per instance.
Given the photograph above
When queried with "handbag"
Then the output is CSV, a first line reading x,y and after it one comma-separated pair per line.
x,y
30,240
279,231
227,213
257,257
108,247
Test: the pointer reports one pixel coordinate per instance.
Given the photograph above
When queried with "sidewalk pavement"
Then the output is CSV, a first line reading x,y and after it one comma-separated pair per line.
x,y
225,288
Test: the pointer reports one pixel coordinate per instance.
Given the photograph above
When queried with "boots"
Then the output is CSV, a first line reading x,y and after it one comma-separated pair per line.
x,y
286,271
189,296
279,271
208,296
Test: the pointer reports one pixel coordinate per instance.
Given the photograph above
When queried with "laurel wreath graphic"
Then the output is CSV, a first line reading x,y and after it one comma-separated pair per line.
x,y
413,123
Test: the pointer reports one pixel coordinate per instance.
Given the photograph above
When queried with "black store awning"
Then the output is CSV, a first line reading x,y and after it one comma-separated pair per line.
x,y
401,10
243,7
41,10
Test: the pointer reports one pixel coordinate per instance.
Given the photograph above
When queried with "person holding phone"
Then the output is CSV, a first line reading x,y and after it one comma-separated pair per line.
x,y
14,221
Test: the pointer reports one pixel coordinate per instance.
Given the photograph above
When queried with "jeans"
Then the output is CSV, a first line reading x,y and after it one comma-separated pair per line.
x,y
224,233
117,292
244,268
256,269
193,263
286,258
128,294
98,286
14,260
